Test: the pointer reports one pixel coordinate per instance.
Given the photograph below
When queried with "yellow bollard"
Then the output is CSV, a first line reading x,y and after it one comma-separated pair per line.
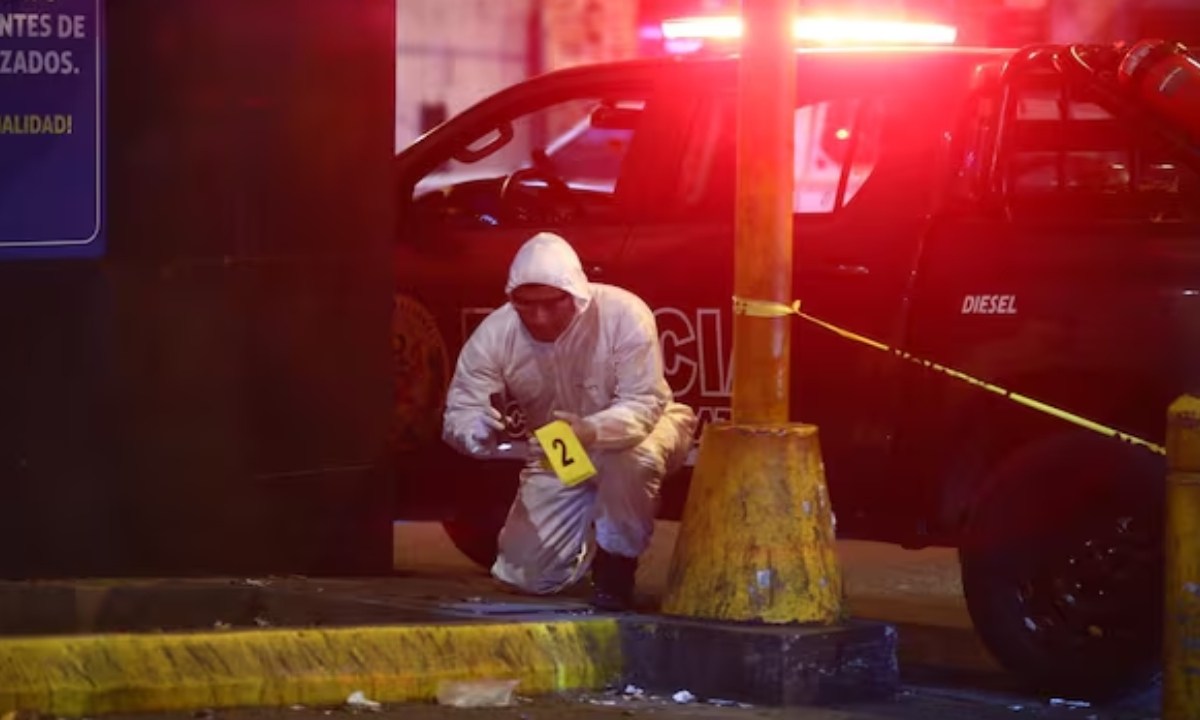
x,y
762,266
1181,636
757,540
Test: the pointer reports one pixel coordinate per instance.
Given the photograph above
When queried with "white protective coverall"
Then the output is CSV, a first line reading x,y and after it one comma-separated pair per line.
x,y
607,368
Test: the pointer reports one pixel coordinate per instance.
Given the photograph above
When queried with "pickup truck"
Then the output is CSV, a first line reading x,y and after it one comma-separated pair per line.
x,y
1027,217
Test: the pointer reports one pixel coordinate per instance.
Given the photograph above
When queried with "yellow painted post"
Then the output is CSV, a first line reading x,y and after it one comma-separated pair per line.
x,y
1181,636
762,266
756,540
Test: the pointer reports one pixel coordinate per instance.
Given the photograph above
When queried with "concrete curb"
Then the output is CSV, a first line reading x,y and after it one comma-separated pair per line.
x,y
777,665
76,676
89,648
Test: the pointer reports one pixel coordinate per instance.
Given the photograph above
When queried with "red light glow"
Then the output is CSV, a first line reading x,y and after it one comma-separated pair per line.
x,y
819,31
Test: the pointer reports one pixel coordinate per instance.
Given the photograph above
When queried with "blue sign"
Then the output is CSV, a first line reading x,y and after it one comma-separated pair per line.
x,y
51,129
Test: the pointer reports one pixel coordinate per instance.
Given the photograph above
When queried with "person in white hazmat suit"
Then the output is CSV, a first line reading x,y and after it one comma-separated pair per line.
x,y
587,353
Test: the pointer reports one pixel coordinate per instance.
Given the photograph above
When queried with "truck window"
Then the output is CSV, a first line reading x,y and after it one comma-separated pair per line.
x,y
971,150
551,164
837,145
1067,156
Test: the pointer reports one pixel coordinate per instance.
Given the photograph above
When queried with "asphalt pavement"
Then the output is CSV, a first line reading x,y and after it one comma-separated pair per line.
x,y
910,704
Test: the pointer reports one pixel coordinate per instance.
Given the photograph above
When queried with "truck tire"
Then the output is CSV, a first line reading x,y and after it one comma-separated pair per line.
x,y
486,491
475,533
1062,565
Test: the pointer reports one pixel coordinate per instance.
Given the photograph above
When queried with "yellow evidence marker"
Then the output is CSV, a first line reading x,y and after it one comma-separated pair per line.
x,y
565,453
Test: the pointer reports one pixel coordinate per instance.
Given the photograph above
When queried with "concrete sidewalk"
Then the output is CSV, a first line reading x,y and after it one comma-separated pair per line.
x,y
917,591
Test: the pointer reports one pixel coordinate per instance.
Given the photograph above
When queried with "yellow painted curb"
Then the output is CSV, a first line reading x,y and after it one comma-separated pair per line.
x,y
76,676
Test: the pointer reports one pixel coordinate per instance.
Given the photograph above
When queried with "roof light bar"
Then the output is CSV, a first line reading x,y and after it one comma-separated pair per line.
x,y
819,31
836,31
723,27
683,36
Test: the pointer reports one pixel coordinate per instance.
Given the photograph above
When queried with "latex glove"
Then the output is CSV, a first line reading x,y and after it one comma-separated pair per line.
x,y
537,454
479,436
583,429
493,418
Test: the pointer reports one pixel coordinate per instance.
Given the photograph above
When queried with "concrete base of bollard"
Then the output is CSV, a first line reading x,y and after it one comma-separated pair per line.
x,y
757,538
761,664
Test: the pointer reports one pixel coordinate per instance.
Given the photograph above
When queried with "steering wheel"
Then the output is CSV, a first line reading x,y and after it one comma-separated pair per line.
x,y
553,203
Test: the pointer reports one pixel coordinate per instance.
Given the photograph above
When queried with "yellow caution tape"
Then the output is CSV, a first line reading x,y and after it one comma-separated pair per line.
x,y
771,309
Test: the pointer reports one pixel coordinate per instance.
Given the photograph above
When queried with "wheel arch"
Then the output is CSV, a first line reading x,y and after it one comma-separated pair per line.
x,y
989,427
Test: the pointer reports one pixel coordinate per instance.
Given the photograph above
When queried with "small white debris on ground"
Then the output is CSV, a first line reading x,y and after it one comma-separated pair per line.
x,y
476,693
359,701
1060,702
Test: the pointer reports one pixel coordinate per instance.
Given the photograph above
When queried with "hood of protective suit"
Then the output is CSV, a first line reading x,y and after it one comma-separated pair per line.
x,y
547,259
606,367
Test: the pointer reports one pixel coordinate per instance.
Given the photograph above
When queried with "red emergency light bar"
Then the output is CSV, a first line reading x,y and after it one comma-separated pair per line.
x,y
817,31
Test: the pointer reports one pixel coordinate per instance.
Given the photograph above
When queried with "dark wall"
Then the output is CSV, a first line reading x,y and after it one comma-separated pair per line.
x,y
213,396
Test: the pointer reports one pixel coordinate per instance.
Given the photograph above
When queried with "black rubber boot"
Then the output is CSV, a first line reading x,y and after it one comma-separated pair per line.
x,y
612,581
